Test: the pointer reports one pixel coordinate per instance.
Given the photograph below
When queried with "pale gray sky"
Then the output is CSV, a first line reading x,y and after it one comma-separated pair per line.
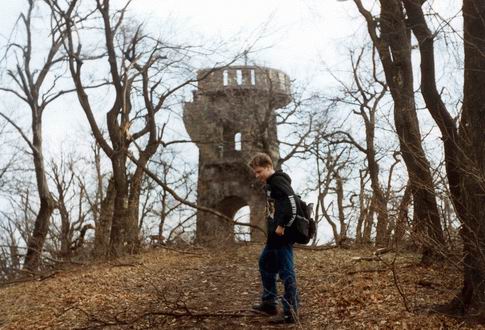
x,y
301,37
297,37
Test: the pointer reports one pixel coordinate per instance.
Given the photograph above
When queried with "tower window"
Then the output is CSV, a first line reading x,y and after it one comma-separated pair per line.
x,y
237,142
239,77
253,77
225,78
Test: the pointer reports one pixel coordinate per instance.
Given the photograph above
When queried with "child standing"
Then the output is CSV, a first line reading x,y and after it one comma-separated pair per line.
x,y
277,255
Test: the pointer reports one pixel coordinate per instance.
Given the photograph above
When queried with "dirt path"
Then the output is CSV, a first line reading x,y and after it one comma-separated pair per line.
x,y
213,289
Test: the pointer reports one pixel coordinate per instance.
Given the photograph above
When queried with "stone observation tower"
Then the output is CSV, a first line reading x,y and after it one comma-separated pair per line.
x,y
232,116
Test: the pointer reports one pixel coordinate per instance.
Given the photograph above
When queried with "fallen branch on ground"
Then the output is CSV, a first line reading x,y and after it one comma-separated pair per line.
x,y
99,323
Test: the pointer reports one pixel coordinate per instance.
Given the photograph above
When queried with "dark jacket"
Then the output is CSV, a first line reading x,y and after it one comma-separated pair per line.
x,y
281,207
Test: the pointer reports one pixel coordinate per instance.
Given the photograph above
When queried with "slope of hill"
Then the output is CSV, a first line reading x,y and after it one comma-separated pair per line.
x,y
214,289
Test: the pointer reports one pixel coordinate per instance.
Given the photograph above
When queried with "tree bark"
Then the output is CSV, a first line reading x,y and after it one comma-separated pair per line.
x,y
339,189
402,216
47,204
432,98
369,222
363,209
472,145
103,223
121,213
65,228
382,238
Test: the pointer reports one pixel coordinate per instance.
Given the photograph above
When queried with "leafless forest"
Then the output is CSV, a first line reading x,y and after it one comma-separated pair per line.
x,y
393,156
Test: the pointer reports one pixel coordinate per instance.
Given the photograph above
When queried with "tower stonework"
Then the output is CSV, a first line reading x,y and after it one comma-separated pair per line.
x,y
232,116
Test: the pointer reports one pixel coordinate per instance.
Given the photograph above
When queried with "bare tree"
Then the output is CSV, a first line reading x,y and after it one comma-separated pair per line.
x,y
463,146
330,161
70,199
366,94
10,255
472,160
139,68
391,38
364,208
37,88
173,175
99,194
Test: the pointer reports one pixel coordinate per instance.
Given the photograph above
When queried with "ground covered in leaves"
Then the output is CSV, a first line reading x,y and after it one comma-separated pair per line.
x,y
196,288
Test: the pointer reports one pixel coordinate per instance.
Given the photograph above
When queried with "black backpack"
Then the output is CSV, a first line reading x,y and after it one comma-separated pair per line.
x,y
303,228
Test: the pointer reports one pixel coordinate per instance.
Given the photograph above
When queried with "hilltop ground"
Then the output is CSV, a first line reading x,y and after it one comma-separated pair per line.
x,y
213,289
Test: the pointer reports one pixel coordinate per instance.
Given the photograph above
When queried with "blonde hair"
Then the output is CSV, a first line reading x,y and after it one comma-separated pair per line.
x,y
261,160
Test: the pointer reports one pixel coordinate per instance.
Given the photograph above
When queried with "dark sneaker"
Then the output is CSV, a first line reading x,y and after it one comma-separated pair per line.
x,y
266,308
284,319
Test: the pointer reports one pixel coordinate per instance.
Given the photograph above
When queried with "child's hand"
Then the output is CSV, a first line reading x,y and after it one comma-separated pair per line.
x,y
280,231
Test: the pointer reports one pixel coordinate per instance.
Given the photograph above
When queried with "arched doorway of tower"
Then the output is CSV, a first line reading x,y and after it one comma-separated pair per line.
x,y
242,233
236,208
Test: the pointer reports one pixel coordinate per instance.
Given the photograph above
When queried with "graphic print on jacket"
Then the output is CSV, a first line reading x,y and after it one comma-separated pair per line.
x,y
281,208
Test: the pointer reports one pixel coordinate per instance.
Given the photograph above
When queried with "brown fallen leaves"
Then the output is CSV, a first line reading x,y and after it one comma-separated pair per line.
x,y
214,289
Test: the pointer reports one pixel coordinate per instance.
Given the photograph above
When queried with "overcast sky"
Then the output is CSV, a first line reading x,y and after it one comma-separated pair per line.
x,y
301,33
302,38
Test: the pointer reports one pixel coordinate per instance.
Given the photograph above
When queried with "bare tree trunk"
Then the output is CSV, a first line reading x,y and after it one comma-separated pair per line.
x,y
47,204
133,230
472,143
65,230
363,209
79,242
163,213
432,98
382,238
369,222
332,224
394,48
121,211
14,251
402,216
339,187
103,224
62,187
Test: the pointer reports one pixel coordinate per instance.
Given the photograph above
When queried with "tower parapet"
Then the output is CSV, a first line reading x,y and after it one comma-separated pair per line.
x,y
244,79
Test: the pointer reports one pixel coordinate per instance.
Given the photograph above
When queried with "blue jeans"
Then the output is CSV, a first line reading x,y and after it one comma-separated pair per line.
x,y
279,261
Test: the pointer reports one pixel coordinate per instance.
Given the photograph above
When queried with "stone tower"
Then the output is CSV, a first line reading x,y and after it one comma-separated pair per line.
x,y
232,116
